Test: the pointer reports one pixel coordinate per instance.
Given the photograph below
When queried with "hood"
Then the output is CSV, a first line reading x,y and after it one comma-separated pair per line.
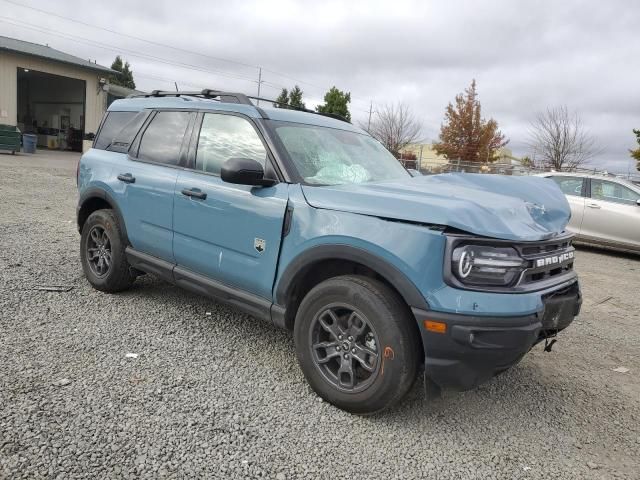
x,y
498,206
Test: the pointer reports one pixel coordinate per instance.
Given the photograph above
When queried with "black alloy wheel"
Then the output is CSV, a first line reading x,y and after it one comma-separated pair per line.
x,y
345,347
99,251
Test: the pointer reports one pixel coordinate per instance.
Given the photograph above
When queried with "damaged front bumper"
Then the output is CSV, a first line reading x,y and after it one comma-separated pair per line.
x,y
472,349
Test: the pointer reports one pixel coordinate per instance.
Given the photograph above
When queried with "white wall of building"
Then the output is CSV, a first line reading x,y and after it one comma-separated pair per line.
x,y
95,98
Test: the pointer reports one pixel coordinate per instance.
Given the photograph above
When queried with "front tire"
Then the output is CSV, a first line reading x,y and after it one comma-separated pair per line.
x,y
357,344
102,253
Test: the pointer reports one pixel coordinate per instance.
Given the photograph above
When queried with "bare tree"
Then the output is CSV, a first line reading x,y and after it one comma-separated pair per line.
x,y
395,127
560,141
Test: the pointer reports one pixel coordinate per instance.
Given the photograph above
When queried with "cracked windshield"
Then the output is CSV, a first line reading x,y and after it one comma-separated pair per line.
x,y
328,156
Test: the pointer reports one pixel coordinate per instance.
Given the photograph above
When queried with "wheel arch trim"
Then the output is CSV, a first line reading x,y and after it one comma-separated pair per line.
x,y
397,279
96,192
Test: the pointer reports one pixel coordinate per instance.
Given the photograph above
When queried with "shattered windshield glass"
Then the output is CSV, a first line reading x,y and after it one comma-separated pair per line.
x,y
328,156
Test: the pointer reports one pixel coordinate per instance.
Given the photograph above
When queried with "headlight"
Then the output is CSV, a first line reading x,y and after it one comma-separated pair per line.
x,y
484,265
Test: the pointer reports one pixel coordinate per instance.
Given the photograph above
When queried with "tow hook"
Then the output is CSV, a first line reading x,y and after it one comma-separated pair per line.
x,y
549,341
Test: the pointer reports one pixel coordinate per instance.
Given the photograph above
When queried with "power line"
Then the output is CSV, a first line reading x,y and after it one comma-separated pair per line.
x,y
132,53
164,45
151,42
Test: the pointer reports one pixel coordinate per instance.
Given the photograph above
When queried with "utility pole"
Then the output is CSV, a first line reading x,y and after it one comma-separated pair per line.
x,y
370,112
176,84
259,82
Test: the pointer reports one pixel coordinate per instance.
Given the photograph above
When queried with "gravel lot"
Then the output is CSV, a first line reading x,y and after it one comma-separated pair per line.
x,y
216,394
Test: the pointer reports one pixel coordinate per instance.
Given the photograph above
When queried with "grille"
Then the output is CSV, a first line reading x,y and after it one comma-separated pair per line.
x,y
548,261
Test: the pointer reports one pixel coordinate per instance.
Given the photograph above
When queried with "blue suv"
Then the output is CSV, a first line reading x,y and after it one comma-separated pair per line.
x,y
306,221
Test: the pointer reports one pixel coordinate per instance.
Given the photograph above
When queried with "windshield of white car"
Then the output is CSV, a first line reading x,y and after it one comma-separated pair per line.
x,y
330,156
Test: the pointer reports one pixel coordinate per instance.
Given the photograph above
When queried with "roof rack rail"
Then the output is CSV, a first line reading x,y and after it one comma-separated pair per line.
x,y
231,97
228,97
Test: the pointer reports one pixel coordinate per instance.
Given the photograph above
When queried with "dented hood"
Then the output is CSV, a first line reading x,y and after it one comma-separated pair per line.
x,y
498,206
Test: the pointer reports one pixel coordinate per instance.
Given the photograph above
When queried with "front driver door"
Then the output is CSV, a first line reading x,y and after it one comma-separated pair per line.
x,y
229,233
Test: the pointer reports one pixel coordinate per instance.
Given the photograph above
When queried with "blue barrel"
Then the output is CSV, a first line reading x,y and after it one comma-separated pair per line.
x,y
29,142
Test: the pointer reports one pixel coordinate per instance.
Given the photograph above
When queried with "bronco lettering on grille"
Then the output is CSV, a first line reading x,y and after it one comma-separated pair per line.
x,y
554,259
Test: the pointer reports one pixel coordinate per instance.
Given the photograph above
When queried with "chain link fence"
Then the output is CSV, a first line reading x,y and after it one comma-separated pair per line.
x,y
500,168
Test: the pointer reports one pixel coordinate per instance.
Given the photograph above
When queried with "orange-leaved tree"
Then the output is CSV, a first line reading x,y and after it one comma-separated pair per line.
x,y
465,135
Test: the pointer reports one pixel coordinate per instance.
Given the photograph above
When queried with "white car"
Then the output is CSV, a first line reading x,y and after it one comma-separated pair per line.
x,y
605,210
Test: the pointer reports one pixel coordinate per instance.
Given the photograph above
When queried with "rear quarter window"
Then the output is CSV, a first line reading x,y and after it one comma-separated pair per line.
x,y
111,125
123,139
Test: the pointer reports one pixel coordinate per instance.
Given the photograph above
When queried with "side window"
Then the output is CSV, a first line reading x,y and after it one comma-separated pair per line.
x,y
613,192
113,122
163,137
125,136
227,136
570,185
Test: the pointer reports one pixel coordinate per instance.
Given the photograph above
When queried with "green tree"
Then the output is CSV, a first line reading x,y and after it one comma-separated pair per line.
x,y
295,97
337,103
636,153
283,99
125,79
465,135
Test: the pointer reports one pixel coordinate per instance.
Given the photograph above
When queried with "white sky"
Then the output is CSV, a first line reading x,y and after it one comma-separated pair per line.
x,y
525,56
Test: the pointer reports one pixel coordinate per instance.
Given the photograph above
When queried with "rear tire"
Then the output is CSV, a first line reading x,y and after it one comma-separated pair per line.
x,y
357,344
102,253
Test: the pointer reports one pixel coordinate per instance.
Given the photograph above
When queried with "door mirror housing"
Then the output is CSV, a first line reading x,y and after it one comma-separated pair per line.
x,y
245,171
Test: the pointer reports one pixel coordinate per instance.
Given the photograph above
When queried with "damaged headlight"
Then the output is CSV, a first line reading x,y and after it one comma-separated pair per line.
x,y
478,265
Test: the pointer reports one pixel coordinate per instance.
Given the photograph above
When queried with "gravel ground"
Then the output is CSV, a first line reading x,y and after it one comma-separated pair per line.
x,y
216,394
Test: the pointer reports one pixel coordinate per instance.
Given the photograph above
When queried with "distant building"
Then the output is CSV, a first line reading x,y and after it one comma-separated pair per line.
x,y
428,160
50,93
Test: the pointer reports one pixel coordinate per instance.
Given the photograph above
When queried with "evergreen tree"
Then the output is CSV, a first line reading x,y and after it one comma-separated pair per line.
x,y
283,99
295,97
125,79
337,103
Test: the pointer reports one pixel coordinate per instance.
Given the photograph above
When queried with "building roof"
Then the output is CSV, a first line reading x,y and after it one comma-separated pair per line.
x,y
48,53
122,92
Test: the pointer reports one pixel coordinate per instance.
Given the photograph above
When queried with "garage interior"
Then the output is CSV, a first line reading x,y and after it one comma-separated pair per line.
x,y
53,108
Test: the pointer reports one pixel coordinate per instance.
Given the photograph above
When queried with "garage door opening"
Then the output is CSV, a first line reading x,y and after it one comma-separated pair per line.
x,y
53,108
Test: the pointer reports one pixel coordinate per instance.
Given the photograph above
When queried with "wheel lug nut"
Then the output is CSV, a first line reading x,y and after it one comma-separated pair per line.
x,y
353,350
351,339
346,356
338,348
339,337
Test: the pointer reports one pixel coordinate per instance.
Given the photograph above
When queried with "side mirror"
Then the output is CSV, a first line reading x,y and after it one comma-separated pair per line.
x,y
244,171
638,202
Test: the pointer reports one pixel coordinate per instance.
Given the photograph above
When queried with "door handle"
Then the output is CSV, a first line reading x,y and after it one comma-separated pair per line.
x,y
593,205
195,193
126,178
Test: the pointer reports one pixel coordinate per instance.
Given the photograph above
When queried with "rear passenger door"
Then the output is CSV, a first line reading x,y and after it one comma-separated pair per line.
x,y
574,189
228,233
145,182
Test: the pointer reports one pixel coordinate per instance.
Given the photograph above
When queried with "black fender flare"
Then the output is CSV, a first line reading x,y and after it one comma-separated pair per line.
x,y
405,287
96,192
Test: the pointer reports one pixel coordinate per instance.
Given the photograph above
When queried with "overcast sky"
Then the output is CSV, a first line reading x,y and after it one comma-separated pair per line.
x,y
525,56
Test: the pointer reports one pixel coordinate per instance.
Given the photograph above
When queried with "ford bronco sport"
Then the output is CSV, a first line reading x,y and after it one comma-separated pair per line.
x,y
308,222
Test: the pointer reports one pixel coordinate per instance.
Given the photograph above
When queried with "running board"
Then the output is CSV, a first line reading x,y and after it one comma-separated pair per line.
x,y
254,305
